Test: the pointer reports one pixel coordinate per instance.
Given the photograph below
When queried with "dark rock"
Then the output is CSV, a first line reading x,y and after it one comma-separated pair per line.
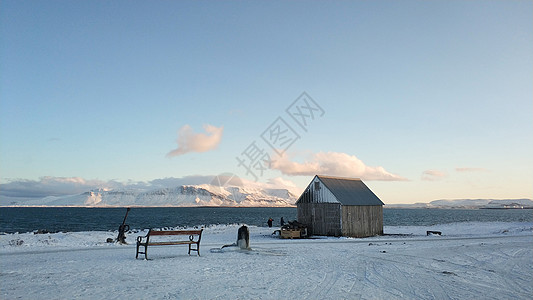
x,y
16,242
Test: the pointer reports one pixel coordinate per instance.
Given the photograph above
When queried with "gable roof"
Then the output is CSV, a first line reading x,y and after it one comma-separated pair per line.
x,y
350,191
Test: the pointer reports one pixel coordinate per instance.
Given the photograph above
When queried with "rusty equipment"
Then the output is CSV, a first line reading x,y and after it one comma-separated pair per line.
x,y
122,229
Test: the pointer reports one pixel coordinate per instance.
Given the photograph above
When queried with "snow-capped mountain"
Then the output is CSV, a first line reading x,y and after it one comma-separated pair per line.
x,y
186,195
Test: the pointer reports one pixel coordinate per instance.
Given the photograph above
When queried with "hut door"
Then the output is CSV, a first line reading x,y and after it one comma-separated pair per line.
x,y
319,226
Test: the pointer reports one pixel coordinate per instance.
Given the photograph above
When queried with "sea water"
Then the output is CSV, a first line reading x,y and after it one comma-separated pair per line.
x,y
68,219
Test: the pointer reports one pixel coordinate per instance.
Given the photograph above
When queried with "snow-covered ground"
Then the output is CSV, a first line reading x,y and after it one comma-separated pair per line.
x,y
469,261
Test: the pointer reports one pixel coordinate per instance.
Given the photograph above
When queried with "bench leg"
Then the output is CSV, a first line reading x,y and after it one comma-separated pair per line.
x,y
139,252
192,249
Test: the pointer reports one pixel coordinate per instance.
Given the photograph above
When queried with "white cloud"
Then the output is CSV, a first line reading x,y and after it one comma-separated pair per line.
x,y
171,182
282,183
230,179
334,164
189,141
471,170
53,186
433,175
62,186
279,181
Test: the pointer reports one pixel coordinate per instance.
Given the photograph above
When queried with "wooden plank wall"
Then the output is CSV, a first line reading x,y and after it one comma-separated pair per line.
x,y
362,221
321,218
304,211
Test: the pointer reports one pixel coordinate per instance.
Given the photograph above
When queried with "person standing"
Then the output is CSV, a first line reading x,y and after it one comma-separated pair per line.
x,y
282,222
270,222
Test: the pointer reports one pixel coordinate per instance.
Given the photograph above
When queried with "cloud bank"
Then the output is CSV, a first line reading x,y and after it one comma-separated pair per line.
x,y
64,186
53,186
189,141
471,170
333,164
433,175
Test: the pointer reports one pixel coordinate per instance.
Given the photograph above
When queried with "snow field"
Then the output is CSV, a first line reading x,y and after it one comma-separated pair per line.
x,y
495,263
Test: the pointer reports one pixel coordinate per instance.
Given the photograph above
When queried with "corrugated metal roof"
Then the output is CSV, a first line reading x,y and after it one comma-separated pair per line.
x,y
350,191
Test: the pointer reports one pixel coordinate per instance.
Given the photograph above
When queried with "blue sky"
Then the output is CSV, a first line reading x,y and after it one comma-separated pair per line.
x,y
422,100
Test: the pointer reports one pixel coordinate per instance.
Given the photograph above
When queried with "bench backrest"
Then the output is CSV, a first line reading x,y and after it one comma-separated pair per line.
x,y
175,232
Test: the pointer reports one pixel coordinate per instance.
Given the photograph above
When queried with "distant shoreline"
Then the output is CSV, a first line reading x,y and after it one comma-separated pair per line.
x,y
387,206
139,206
451,207
529,207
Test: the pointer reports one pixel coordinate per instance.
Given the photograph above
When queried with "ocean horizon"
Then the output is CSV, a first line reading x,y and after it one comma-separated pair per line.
x,y
69,219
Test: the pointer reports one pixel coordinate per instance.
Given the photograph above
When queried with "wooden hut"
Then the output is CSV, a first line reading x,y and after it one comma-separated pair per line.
x,y
336,206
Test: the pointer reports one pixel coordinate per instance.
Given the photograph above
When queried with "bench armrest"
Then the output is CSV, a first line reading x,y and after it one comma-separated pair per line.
x,y
140,238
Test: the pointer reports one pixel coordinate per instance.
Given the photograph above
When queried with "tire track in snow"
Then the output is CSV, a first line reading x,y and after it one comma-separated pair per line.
x,y
420,273
502,277
336,284
467,278
322,289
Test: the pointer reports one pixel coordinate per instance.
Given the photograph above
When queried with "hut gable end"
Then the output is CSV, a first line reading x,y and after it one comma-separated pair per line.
x,y
317,192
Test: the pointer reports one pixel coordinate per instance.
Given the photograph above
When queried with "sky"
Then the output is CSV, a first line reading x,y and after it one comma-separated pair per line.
x,y
422,100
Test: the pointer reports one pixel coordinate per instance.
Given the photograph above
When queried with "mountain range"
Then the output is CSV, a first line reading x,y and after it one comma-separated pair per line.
x,y
222,195
185,195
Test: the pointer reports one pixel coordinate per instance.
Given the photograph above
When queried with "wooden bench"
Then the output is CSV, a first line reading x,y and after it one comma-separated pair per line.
x,y
194,239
